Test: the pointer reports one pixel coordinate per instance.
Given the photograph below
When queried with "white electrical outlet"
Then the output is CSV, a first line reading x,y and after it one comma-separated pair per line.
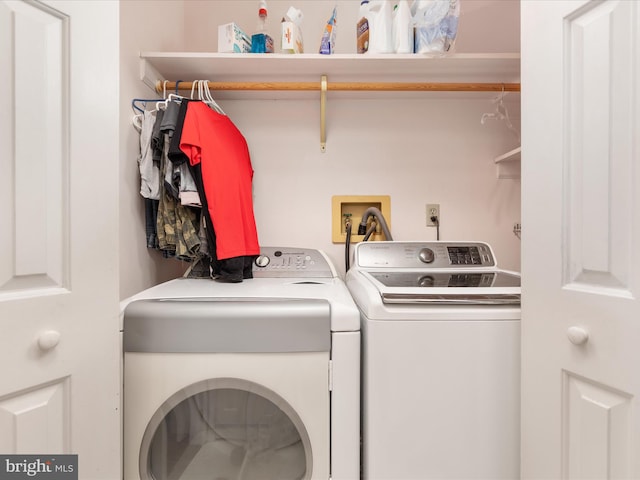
x,y
433,210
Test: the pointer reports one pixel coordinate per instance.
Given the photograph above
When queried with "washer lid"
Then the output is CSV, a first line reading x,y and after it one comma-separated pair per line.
x,y
447,279
447,287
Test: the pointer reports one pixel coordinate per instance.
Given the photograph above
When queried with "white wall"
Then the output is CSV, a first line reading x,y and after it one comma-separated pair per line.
x,y
427,150
417,151
144,26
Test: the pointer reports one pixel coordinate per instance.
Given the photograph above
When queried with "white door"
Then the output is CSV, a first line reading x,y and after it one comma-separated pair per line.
x,y
59,362
581,239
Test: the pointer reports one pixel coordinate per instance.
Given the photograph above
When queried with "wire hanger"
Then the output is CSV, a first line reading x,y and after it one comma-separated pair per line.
x,y
143,101
204,94
501,113
139,110
172,97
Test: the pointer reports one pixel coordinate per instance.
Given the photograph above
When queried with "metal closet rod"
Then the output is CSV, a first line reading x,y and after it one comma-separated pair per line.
x,y
348,86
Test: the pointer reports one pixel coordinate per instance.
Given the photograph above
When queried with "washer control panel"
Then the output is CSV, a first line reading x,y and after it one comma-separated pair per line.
x,y
283,262
424,255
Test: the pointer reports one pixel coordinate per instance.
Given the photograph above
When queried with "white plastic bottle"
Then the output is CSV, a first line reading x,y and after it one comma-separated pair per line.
x,y
402,28
379,18
261,42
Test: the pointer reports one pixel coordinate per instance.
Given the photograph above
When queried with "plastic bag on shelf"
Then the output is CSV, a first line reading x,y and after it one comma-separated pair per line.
x,y
436,24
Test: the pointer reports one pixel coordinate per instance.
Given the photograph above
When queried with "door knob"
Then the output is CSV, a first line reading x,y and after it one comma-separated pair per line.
x,y
578,335
49,339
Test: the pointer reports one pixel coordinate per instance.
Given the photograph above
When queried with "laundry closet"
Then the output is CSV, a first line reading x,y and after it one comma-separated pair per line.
x,y
414,147
75,231
74,237
580,111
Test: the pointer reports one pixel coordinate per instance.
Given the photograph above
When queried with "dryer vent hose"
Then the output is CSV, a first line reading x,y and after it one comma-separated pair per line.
x,y
375,212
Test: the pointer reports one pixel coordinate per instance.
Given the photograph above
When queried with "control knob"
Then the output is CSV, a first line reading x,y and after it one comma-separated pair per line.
x,y
426,255
262,261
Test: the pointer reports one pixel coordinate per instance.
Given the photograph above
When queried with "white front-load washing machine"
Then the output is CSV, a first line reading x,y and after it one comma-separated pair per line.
x,y
251,380
441,361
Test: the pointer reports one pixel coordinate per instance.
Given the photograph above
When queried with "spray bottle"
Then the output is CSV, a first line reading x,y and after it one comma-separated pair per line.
x,y
261,42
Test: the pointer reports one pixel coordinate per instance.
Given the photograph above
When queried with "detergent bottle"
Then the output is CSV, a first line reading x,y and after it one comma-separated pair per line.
x,y
402,28
362,28
380,22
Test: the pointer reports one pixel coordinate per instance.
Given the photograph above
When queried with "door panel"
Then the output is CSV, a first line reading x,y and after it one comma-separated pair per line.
x,y
37,420
581,225
598,129
596,430
59,306
36,239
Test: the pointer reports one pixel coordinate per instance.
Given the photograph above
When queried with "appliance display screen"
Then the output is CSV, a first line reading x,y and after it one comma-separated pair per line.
x,y
464,256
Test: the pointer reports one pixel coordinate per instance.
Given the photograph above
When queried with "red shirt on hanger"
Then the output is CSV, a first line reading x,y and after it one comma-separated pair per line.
x,y
213,141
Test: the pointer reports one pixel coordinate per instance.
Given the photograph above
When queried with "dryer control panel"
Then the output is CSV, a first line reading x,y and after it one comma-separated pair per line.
x,y
284,262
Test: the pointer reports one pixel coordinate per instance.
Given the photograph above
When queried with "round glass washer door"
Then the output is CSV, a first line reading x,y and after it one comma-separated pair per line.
x,y
225,429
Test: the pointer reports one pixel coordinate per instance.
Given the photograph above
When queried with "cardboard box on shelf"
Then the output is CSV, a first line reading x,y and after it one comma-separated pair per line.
x,y
291,38
232,39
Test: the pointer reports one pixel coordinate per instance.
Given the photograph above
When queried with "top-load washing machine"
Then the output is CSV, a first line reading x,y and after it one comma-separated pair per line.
x,y
251,380
441,361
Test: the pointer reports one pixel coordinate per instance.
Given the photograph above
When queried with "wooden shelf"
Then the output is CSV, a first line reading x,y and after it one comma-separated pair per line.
x,y
508,164
219,67
512,156
480,74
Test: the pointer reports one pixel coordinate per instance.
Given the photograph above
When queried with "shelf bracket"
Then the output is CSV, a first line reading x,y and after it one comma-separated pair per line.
x,y
323,112
150,76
